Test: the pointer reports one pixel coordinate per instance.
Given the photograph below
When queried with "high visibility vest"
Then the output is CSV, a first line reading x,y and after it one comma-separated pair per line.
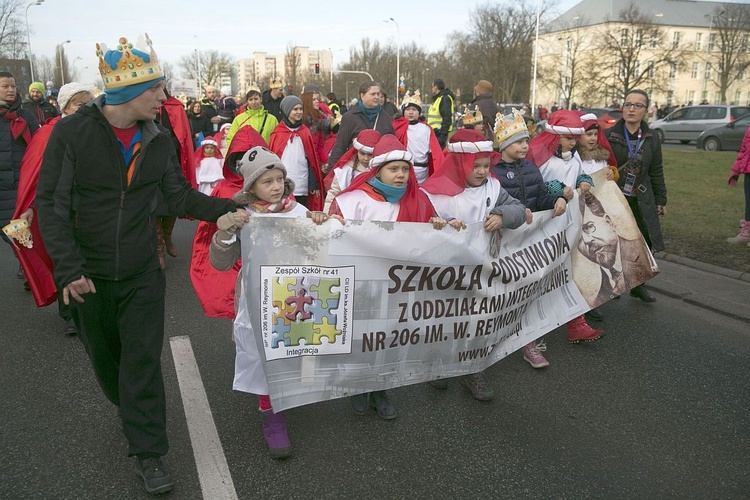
x,y
434,119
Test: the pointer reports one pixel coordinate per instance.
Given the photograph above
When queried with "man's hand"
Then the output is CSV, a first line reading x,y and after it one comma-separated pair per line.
x,y
494,221
560,206
28,215
77,288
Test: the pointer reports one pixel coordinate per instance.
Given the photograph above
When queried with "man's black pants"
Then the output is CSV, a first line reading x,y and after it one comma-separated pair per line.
x,y
122,329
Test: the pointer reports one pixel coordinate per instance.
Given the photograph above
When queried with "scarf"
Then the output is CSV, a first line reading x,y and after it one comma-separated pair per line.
x,y
263,207
18,126
289,124
392,194
370,113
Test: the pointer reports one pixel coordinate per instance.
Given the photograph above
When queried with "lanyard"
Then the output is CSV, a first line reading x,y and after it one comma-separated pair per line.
x,y
632,153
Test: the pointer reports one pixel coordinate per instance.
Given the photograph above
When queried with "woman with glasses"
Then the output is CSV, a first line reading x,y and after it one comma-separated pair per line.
x,y
639,160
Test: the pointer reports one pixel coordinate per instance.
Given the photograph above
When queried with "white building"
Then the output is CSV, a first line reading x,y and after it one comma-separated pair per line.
x,y
263,67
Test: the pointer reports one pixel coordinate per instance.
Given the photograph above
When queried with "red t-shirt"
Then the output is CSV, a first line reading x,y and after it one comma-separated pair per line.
x,y
125,135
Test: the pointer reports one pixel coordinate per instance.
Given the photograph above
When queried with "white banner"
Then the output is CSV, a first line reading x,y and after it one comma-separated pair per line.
x,y
340,310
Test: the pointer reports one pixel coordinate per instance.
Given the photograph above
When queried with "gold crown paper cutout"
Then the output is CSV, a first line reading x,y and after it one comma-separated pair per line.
x,y
415,99
19,230
128,64
505,128
253,88
472,117
276,84
336,119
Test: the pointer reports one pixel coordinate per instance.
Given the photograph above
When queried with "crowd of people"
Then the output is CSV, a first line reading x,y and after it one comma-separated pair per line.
x,y
102,181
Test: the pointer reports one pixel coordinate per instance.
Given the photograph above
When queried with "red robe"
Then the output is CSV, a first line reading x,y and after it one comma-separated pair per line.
x,y
436,156
36,263
181,129
280,137
215,289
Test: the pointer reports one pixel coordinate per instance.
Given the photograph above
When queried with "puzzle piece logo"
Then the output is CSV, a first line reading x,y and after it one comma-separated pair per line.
x,y
305,311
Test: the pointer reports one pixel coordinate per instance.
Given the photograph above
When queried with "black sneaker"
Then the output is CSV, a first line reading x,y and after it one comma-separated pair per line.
x,y
594,315
640,292
155,477
70,327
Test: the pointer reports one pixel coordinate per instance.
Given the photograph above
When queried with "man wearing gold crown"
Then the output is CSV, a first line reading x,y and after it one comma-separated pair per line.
x,y
98,185
272,98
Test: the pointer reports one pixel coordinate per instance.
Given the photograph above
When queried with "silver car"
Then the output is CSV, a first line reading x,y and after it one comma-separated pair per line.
x,y
687,123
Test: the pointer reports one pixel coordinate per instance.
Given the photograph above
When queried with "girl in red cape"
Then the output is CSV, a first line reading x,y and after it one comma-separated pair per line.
x,y
208,165
215,289
292,142
352,163
419,138
35,261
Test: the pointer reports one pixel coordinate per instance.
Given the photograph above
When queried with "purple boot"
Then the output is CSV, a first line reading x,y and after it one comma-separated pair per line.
x,y
277,439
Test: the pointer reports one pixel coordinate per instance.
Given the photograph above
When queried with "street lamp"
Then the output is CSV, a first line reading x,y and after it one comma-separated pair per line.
x,y
28,36
62,73
347,91
398,56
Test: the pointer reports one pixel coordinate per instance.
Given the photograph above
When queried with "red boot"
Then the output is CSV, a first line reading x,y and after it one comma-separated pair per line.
x,y
579,331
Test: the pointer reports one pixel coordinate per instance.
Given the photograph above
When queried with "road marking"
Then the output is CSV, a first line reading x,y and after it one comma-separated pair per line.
x,y
213,471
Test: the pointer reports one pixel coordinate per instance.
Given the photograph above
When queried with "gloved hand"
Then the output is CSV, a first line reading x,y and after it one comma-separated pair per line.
x,y
231,222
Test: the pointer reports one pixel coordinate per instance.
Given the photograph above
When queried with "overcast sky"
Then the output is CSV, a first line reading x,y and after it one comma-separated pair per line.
x,y
241,27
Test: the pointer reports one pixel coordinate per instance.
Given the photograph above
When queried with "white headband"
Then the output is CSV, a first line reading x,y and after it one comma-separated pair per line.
x,y
470,147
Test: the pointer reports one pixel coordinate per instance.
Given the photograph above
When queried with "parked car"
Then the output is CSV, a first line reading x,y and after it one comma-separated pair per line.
x,y
607,117
726,137
686,124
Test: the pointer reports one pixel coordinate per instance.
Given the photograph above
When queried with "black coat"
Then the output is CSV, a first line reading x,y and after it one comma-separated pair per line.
x,y
11,154
43,110
273,106
93,222
487,105
199,124
651,188
523,181
353,122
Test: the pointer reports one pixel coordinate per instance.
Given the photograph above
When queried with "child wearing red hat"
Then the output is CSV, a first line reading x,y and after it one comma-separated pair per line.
x,y
387,192
208,165
418,137
554,150
594,149
463,191
352,163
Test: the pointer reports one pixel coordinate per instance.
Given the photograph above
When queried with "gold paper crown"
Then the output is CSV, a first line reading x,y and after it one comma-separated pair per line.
x,y
415,99
509,125
19,230
128,65
472,117
276,83
253,88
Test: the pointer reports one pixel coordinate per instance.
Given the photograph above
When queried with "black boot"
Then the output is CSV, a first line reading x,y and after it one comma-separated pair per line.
x,y
640,292
594,315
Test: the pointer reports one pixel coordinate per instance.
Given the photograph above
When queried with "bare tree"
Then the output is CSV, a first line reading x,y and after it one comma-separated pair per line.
x,y
629,50
568,73
44,69
292,67
206,66
12,30
728,45
169,74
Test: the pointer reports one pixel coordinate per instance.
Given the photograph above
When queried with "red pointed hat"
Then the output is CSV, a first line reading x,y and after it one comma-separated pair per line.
x,y
465,146
366,140
562,122
389,149
589,121
208,141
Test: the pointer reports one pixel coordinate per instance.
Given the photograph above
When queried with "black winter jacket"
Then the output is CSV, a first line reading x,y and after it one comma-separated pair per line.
x,y
523,181
43,110
353,122
94,224
11,154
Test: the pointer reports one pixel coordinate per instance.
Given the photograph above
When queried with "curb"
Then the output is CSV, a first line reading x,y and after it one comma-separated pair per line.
x,y
710,268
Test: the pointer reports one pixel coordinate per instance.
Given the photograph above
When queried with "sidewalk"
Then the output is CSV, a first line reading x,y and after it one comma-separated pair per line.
x,y
714,288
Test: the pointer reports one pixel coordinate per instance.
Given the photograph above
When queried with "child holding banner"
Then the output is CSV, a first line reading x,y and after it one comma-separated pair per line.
x,y
554,151
463,190
523,180
387,192
266,192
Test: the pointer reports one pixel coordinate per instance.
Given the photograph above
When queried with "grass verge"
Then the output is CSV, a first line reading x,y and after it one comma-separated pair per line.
x,y
702,209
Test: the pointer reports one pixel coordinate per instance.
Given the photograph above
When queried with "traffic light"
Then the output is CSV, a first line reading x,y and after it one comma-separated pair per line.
x,y
317,68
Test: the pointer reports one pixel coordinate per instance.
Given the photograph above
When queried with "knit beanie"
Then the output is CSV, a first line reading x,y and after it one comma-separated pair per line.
x,y
254,163
38,86
68,90
483,87
226,90
288,103
311,88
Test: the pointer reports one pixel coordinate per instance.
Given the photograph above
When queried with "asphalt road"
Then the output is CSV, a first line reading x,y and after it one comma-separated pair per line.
x,y
656,409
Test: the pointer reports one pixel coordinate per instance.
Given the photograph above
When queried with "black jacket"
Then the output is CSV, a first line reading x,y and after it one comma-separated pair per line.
x,y
523,181
353,122
94,224
651,189
11,154
43,110
273,106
